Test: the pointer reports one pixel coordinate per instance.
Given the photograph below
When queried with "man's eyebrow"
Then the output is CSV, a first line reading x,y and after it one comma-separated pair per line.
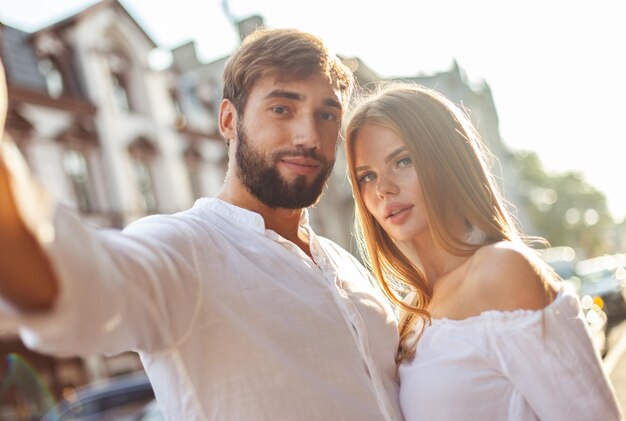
x,y
391,156
280,93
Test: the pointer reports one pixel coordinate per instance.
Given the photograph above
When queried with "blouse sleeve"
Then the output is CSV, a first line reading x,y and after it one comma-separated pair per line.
x,y
551,361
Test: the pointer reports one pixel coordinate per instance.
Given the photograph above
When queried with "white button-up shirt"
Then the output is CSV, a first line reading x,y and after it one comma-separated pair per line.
x,y
231,321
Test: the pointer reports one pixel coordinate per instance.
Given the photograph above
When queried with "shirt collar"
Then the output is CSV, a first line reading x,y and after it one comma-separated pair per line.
x,y
244,216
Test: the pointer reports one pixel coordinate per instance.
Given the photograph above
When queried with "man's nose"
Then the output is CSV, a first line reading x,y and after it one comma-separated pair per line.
x,y
307,133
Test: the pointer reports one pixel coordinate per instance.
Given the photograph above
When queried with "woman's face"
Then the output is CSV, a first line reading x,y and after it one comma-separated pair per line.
x,y
388,182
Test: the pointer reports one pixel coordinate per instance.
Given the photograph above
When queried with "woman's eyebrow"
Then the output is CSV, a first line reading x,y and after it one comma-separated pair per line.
x,y
391,156
395,153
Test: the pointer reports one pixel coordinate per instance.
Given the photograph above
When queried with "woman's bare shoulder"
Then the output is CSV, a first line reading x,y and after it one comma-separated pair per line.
x,y
509,276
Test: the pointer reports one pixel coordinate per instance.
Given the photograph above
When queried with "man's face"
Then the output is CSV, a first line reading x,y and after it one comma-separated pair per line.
x,y
286,140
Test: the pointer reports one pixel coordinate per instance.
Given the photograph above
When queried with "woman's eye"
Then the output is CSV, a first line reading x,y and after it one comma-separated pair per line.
x,y
367,177
404,162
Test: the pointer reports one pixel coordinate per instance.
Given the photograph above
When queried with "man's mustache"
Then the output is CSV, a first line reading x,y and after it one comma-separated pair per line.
x,y
303,153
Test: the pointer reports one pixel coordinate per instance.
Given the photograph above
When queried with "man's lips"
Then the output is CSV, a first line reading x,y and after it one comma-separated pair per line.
x,y
301,165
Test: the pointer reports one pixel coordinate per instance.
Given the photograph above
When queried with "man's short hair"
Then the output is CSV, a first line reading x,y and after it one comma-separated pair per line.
x,y
286,53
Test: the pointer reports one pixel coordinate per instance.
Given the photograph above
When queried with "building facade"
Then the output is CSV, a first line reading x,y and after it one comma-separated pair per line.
x,y
103,133
478,103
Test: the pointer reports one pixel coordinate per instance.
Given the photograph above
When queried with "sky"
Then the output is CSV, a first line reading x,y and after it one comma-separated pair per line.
x,y
556,68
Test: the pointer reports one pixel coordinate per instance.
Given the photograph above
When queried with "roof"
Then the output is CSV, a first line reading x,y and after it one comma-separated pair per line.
x,y
27,84
363,73
20,60
71,20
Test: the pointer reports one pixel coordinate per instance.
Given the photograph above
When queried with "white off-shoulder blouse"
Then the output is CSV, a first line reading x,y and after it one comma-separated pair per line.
x,y
521,365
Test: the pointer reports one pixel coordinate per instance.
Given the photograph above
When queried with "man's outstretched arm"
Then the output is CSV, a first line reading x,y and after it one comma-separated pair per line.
x,y
26,277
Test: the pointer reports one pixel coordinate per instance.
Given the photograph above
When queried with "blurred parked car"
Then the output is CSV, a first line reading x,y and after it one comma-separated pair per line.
x,y
597,321
605,277
563,261
125,398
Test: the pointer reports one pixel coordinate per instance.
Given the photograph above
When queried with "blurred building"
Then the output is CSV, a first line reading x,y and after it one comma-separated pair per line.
x,y
105,134
480,106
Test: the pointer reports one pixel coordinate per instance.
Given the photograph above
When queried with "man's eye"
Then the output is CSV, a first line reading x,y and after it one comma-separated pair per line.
x,y
279,109
328,116
404,162
367,177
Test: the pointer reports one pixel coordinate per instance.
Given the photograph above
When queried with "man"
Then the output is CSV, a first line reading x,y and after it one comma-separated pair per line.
x,y
236,308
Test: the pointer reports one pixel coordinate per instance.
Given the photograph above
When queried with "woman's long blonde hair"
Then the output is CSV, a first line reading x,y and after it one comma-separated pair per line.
x,y
452,166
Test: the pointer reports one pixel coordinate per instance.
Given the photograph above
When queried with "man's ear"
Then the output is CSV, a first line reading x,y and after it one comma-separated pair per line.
x,y
228,120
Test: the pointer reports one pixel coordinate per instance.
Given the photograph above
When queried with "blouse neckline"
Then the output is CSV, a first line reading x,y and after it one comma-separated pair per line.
x,y
563,297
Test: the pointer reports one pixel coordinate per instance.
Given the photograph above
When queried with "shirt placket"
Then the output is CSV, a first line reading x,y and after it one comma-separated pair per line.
x,y
348,310
352,316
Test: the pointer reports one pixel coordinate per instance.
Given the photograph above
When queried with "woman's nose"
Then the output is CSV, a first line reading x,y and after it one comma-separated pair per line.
x,y
386,186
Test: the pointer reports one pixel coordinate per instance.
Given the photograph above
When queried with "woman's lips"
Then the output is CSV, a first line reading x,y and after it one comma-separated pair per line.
x,y
398,214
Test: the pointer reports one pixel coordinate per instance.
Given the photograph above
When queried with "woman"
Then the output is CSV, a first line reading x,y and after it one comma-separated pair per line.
x,y
488,331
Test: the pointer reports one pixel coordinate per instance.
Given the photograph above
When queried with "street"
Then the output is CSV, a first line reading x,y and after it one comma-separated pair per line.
x,y
615,361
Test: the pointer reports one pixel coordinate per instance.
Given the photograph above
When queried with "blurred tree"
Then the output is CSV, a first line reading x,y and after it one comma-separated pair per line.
x,y
564,208
620,236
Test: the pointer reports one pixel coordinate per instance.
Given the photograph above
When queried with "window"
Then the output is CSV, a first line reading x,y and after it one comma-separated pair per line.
x,y
122,80
53,77
176,102
142,154
79,145
77,169
120,92
180,121
143,177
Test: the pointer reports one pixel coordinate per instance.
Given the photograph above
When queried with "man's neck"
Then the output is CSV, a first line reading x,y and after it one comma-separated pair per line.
x,y
285,222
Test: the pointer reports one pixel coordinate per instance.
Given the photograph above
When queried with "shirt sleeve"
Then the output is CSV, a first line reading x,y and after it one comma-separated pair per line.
x,y
551,361
119,291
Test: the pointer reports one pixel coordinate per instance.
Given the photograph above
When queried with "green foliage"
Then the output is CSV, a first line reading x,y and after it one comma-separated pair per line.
x,y
564,208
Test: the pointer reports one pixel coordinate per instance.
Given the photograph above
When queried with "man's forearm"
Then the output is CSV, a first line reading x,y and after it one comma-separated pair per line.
x,y
26,276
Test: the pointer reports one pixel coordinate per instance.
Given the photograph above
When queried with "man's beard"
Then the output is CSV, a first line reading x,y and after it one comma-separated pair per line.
x,y
263,180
